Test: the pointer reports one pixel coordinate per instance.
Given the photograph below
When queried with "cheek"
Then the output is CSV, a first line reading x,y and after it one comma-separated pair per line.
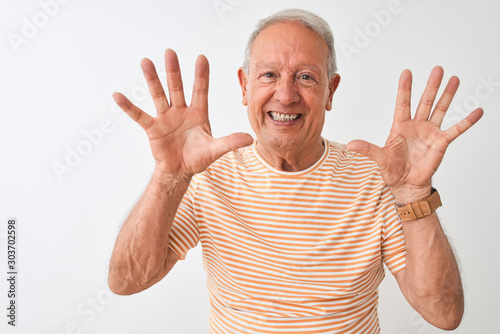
x,y
255,122
314,102
259,95
255,116
319,100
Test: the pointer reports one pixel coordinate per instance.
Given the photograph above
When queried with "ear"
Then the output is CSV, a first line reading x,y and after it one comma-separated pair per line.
x,y
332,87
242,77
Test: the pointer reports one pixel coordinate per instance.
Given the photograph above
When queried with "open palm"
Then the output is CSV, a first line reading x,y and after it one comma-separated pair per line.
x,y
180,137
416,146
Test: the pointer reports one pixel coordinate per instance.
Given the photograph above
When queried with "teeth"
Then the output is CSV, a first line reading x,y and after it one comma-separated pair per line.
x,y
283,117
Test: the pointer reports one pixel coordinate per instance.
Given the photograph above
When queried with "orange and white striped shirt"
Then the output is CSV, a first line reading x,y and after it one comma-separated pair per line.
x,y
292,252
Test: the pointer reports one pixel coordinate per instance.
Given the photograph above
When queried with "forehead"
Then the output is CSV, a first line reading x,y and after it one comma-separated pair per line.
x,y
289,43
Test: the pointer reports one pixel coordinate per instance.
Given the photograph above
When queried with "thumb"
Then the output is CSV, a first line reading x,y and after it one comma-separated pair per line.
x,y
368,149
229,143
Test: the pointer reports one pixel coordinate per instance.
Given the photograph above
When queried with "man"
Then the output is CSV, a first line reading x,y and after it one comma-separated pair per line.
x,y
294,228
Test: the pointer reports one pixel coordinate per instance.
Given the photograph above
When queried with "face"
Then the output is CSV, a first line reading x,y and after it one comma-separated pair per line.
x,y
287,89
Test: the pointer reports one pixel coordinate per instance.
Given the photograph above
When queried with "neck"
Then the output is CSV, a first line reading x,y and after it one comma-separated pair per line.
x,y
292,160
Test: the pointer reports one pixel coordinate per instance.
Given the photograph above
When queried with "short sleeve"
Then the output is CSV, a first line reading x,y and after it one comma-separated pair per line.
x,y
184,233
393,240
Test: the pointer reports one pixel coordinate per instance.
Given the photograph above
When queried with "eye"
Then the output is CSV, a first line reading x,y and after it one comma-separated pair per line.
x,y
267,77
306,80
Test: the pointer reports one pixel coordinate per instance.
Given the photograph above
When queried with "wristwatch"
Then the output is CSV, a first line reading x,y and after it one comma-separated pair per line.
x,y
420,209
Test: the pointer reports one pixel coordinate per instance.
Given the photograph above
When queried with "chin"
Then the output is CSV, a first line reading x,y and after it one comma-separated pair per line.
x,y
285,143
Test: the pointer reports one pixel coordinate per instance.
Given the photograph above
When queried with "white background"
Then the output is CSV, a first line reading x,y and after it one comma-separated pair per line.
x,y
56,82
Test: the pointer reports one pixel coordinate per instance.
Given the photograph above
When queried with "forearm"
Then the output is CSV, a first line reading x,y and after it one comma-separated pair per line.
x,y
140,257
412,153
431,281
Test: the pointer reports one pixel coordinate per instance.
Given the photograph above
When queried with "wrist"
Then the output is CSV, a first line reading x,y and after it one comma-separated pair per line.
x,y
169,179
409,193
421,208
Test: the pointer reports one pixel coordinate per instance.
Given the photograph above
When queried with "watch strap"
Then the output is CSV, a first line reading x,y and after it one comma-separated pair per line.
x,y
420,209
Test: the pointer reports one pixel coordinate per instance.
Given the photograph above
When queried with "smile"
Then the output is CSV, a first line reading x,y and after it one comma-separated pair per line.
x,y
284,118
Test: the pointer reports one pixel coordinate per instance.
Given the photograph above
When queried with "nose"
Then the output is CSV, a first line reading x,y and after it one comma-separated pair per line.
x,y
286,91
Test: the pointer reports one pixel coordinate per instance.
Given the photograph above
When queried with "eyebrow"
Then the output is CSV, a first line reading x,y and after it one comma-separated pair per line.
x,y
303,64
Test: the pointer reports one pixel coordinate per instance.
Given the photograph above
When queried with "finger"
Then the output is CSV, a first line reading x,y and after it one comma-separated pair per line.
x,y
221,146
200,86
403,98
370,150
462,126
174,79
444,101
431,89
154,85
142,118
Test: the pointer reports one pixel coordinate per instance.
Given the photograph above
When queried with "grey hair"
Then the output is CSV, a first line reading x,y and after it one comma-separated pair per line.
x,y
307,19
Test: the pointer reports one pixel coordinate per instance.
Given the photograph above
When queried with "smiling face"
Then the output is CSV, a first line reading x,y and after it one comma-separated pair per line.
x,y
287,90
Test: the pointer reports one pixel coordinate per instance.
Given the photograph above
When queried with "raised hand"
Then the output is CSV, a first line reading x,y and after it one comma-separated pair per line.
x,y
180,136
416,146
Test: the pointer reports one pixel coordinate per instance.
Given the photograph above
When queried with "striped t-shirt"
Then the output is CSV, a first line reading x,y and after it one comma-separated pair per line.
x,y
291,252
